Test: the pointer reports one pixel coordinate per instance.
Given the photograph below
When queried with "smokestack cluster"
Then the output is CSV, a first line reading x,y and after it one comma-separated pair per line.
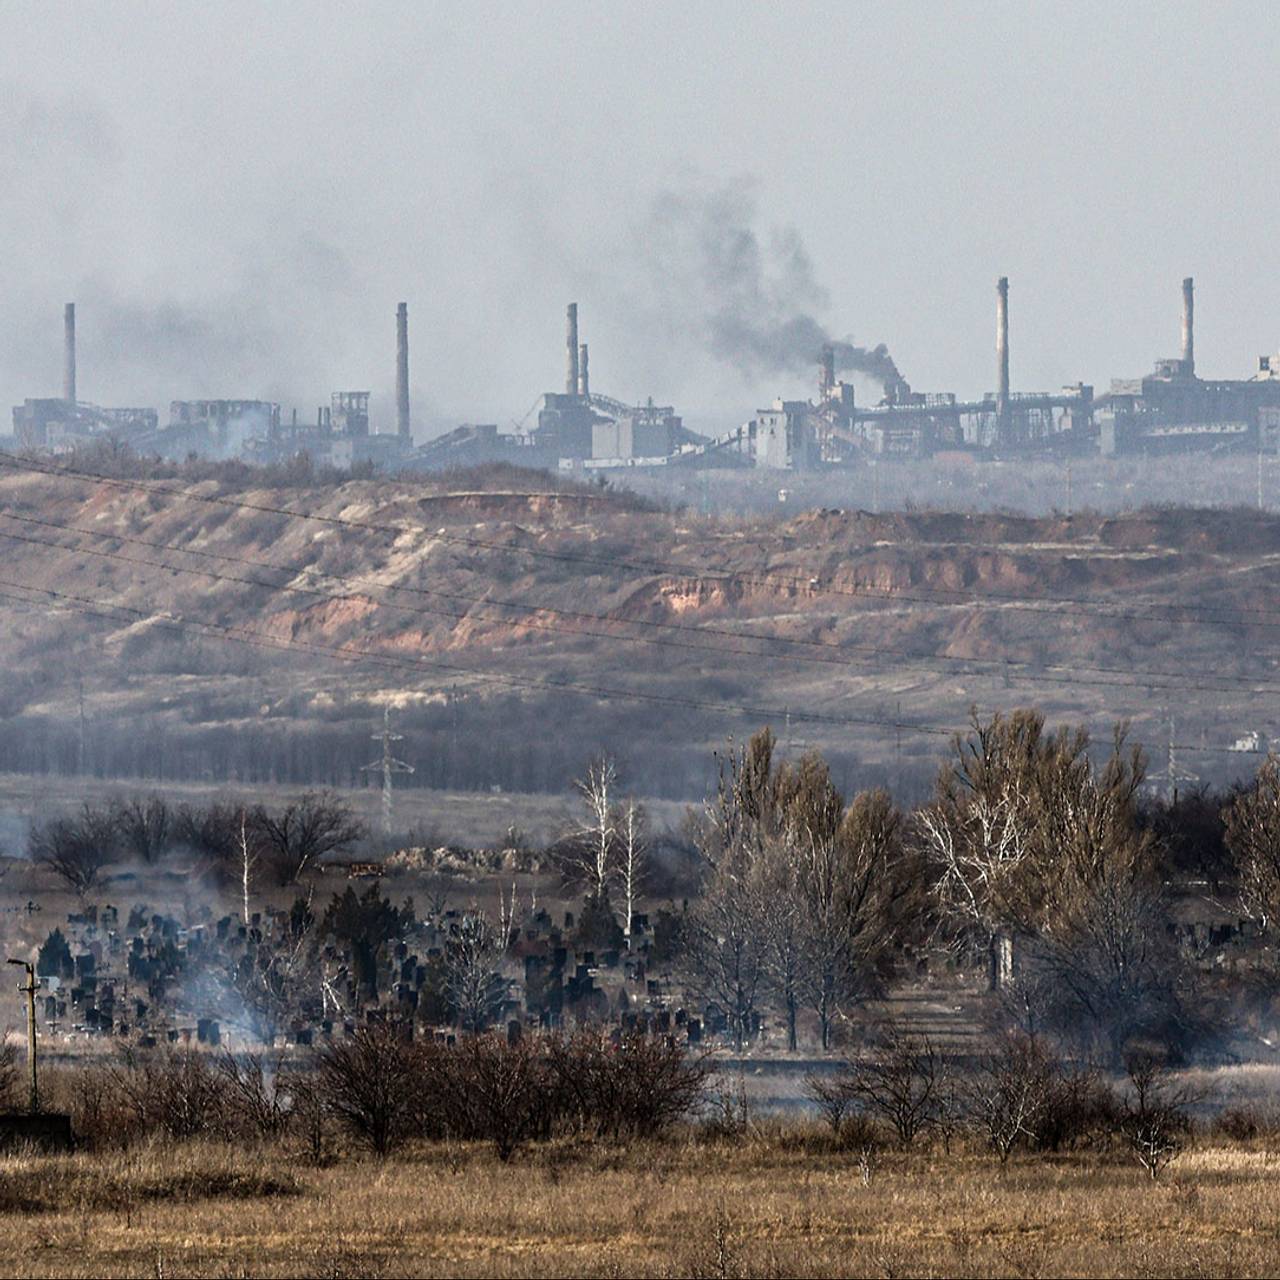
x,y
1002,346
571,350
1188,324
69,353
584,377
402,372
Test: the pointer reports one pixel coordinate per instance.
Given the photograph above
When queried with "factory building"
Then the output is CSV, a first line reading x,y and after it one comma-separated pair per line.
x,y
218,427
577,428
784,437
59,424
647,431
1173,409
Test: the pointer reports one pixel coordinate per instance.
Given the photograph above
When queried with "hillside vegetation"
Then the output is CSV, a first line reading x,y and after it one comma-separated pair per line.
x,y
216,633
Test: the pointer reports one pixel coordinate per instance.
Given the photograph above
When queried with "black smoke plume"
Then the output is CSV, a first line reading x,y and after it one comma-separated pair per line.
x,y
753,302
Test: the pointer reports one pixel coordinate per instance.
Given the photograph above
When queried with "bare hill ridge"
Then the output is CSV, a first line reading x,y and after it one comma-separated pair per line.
x,y
520,594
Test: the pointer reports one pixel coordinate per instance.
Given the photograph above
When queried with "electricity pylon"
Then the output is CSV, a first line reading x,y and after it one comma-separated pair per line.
x,y
387,765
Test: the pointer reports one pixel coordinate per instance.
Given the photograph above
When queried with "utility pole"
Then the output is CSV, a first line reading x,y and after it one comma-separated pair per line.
x,y
1068,485
1259,472
387,765
30,992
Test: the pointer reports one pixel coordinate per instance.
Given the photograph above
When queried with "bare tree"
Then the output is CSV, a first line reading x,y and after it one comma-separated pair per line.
x,y
212,832
590,857
294,839
1095,935
144,826
1253,837
778,908
726,946
284,972
508,913
1008,1092
976,833
1013,807
1154,1119
854,883
247,860
632,858
903,1083
472,972
76,849
8,1070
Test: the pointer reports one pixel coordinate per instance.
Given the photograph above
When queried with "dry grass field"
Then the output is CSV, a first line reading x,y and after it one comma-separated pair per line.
x,y
775,1204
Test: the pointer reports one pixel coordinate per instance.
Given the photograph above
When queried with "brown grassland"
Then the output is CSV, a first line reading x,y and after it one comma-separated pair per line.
x,y
779,1202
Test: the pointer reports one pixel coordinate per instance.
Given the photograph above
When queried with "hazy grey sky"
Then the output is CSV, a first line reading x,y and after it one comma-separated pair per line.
x,y
237,194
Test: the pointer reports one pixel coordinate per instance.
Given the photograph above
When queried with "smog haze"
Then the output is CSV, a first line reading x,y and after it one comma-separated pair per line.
x,y
238,196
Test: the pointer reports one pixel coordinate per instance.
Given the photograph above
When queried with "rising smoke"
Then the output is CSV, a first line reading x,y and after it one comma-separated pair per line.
x,y
753,302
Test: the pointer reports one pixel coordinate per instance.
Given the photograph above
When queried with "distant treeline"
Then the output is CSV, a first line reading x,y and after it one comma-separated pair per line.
x,y
115,458
495,743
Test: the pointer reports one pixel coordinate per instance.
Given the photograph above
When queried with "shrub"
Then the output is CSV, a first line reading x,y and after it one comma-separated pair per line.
x,y
494,1090
902,1084
179,1092
1153,1119
368,1083
636,1084
1008,1093
259,1098
1079,1110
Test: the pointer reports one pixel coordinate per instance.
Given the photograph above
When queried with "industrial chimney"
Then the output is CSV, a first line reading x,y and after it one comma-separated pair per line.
x,y
584,377
571,350
1188,325
827,375
402,372
69,353
1002,348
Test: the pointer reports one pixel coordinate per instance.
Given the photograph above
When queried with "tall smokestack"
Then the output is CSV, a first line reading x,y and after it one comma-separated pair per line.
x,y
571,350
1002,347
1189,324
69,353
402,372
584,376
827,374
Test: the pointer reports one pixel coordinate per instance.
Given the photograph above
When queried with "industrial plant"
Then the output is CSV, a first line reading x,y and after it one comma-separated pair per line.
x,y
577,429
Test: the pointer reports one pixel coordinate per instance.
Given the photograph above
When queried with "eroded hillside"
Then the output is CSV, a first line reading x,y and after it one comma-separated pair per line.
x,y
219,629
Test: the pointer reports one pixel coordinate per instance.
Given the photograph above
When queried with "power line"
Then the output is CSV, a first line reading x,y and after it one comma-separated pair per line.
x,y
1041,672
813,583
96,608
81,604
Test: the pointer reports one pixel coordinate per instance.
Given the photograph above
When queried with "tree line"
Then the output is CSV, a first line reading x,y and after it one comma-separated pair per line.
x,y
1036,854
